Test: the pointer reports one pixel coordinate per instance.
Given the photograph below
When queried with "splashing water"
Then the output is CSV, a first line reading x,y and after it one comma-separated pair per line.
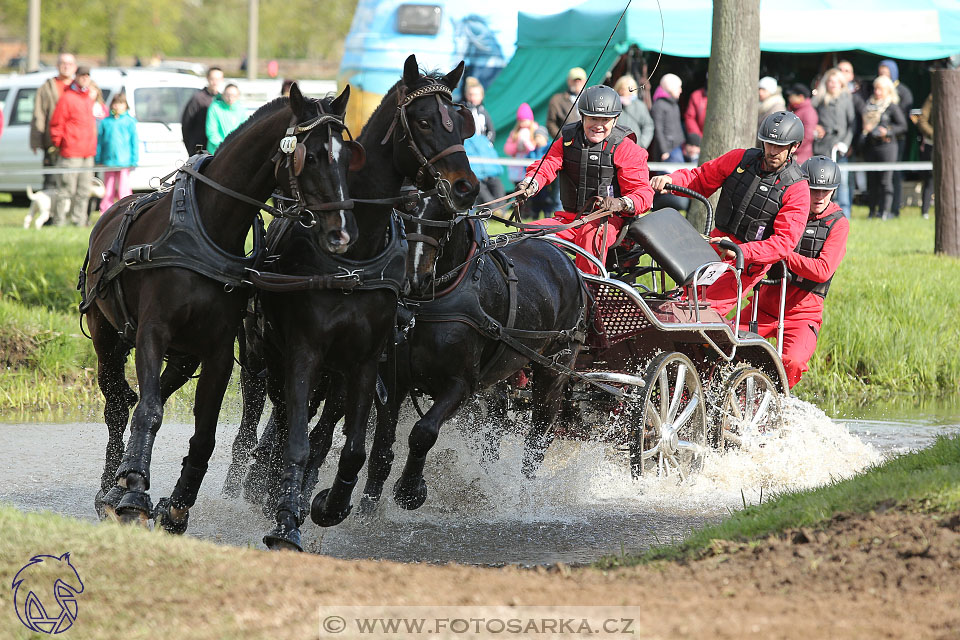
x,y
582,505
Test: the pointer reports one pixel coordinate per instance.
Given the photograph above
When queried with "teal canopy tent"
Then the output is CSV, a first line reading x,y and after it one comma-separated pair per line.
x,y
548,46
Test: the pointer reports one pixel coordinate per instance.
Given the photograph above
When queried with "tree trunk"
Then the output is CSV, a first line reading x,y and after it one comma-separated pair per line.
x,y
946,161
733,73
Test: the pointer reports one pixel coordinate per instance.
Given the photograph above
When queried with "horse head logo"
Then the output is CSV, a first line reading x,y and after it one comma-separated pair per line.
x,y
45,594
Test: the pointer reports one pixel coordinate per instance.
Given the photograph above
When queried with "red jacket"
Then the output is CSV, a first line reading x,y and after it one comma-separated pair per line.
x,y
632,172
801,304
73,128
696,112
808,116
788,226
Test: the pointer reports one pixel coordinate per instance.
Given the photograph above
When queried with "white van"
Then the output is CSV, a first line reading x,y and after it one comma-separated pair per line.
x,y
156,99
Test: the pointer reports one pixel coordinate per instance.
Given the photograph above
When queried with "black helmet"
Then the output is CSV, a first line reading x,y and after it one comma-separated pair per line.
x,y
601,101
821,172
781,127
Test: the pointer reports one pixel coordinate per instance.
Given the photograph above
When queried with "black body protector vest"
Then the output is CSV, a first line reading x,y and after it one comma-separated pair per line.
x,y
811,244
750,200
588,171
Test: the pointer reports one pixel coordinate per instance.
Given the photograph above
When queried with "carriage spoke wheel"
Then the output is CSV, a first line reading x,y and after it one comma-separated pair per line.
x,y
669,434
750,405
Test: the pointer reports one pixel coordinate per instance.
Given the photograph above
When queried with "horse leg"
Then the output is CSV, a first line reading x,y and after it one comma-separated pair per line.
x,y
410,490
172,513
331,506
548,388
253,389
133,474
321,436
292,437
381,453
118,397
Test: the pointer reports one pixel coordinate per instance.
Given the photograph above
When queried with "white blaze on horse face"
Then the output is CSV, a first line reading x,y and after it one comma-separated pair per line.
x,y
335,150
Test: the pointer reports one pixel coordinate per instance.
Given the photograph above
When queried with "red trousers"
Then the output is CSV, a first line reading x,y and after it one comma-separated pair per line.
x,y
799,340
596,237
722,294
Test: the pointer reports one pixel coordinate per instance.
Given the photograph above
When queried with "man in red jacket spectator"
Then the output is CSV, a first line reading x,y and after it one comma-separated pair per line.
x,y
763,205
73,130
798,101
600,166
810,268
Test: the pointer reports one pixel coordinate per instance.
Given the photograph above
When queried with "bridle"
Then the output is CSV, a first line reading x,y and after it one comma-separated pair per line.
x,y
292,154
442,93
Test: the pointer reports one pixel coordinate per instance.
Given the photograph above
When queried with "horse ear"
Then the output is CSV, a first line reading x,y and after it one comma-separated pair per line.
x,y
452,79
411,71
296,100
339,106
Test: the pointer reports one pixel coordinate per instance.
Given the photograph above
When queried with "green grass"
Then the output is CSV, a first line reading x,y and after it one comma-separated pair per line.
x,y
929,478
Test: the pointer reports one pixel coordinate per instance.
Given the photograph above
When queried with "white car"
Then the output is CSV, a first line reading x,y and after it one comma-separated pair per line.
x,y
155,98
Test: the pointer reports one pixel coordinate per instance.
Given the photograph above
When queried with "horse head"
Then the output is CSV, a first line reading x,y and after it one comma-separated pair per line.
x,y
438,240
313,165
428,131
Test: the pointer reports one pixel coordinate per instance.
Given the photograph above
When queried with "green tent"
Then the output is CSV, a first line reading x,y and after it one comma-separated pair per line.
x,y
548,46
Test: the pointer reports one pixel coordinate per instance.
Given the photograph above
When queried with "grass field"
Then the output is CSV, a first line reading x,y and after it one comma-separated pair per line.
x,y
889,326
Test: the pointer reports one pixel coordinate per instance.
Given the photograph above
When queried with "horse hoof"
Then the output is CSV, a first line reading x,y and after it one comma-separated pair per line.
x,y
135,507
321,516
410,497
172,520
368,504
283,538
106,503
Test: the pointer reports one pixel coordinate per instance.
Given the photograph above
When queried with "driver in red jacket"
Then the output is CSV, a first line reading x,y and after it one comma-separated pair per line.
x,y
600,166
763,205
810,268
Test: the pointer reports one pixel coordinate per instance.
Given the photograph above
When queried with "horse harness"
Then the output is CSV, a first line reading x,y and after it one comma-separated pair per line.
x,y
443,95
185,242
461,303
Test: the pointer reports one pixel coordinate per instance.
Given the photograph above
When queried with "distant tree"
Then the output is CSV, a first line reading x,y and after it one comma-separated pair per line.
x,y
734,68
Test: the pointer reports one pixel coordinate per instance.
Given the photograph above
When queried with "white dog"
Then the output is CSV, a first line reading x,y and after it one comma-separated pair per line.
x,y
41,203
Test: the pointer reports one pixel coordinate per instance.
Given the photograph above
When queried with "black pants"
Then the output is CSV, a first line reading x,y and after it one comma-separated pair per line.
x,y
880,183
926,190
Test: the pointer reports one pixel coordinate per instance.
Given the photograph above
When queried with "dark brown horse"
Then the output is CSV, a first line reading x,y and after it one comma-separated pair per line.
x,y
491,314
166,273
341,328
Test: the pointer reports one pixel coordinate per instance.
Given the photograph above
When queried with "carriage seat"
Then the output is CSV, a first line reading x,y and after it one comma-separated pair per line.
x,y
673,243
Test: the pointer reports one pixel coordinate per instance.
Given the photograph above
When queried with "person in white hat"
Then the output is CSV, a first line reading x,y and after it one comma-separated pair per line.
x,y
771,98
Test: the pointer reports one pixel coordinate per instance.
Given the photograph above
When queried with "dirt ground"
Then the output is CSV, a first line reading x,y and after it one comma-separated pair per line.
x,y
893,574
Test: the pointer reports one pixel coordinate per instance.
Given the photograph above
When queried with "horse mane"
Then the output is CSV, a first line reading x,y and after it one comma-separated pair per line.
x,y
265,111
434,76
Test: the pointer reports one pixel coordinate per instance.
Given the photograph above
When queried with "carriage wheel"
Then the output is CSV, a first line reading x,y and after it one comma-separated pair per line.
x,y
670,433
749,405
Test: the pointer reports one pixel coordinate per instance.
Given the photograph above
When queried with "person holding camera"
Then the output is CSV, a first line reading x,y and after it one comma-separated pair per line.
x,y
882,121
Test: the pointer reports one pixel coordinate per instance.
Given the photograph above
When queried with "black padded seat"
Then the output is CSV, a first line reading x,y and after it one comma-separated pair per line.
x,y
673,243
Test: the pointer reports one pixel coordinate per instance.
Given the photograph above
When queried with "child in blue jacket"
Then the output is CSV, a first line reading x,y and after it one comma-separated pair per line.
x,y
117,146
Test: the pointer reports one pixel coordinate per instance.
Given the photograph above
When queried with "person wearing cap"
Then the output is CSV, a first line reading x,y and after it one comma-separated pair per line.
x,y
598,165
798,100
771,98
560,103
763,203
810,269
73,131
890,69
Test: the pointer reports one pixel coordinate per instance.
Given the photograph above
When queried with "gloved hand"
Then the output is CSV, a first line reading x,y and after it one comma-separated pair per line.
x,y
529,187
609,203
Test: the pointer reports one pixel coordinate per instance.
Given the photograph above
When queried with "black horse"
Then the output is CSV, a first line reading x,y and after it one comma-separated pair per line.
x,y
316,330
167,273
493,312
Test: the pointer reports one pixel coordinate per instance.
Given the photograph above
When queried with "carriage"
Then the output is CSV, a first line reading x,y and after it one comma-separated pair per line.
x,y
662,376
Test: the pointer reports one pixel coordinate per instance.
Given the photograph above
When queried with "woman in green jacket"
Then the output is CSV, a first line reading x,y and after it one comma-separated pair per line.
x,y
224,115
